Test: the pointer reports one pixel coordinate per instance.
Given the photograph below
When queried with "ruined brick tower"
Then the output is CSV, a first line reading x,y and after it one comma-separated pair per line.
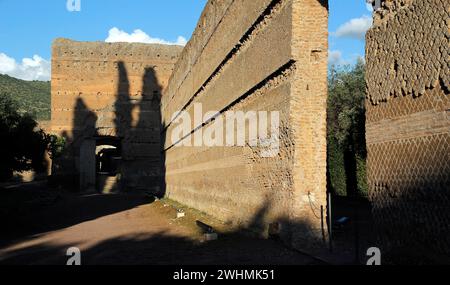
x,y
106,103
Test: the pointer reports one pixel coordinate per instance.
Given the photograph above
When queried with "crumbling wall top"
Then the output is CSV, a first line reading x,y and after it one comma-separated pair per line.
x,y
407,49
66,48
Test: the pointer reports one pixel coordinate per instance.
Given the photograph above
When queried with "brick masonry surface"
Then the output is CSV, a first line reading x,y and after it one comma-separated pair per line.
x,y
408,128
110,90
261,55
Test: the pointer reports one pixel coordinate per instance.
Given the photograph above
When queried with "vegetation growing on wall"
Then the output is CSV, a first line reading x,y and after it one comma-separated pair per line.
x,y
346,130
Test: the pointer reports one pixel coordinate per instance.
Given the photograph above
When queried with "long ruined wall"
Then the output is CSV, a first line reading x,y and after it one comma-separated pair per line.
x,y
110,90
408,127
261,55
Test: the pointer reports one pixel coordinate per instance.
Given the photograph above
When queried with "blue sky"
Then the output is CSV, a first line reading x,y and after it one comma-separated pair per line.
x,y
348,22
28,27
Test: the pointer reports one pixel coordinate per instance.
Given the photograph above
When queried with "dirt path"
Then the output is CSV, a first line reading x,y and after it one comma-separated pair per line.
x,y
128,229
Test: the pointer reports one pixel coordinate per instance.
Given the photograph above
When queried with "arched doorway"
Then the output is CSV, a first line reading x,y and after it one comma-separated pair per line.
x,y
108,157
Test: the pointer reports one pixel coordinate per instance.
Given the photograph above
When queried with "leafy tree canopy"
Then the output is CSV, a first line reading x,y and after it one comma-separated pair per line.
x,y
23,143
346,129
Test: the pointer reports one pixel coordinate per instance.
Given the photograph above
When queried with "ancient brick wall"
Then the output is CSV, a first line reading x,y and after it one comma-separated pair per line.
x,y
261,55
111,91
408,127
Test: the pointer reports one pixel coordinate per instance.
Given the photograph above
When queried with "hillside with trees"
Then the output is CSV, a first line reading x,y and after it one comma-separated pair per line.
x,y
32,97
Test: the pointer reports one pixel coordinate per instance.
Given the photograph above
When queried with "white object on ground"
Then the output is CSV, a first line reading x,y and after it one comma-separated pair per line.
x,y
211,236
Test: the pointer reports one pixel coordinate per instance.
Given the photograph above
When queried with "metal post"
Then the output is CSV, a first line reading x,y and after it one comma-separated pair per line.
x,y
330,223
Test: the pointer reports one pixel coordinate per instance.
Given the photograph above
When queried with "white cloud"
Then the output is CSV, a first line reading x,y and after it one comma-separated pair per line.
x,y
35,68
7,64
335,57
369,7
355,28
139,36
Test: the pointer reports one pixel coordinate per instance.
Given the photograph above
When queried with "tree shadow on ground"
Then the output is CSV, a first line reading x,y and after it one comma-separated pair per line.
x,y
62,211
240,246
164,249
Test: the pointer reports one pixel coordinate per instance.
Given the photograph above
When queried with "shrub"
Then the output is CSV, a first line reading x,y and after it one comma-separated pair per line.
x,y
23,144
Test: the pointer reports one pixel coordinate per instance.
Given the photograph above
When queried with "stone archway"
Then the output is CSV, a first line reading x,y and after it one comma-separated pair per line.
x,y
100,164
108,157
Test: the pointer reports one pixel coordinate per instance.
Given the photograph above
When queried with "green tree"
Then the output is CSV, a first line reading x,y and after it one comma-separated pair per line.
x,y
56,146
346,130
23,143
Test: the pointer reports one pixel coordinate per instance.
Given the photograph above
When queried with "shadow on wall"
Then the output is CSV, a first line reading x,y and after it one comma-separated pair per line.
x,y
417,209
324,3
134,131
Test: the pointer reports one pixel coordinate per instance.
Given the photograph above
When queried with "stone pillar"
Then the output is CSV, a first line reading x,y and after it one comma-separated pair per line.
x,y
87,165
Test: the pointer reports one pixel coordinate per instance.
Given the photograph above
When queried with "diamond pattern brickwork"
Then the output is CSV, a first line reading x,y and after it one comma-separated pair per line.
x,y
408,129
